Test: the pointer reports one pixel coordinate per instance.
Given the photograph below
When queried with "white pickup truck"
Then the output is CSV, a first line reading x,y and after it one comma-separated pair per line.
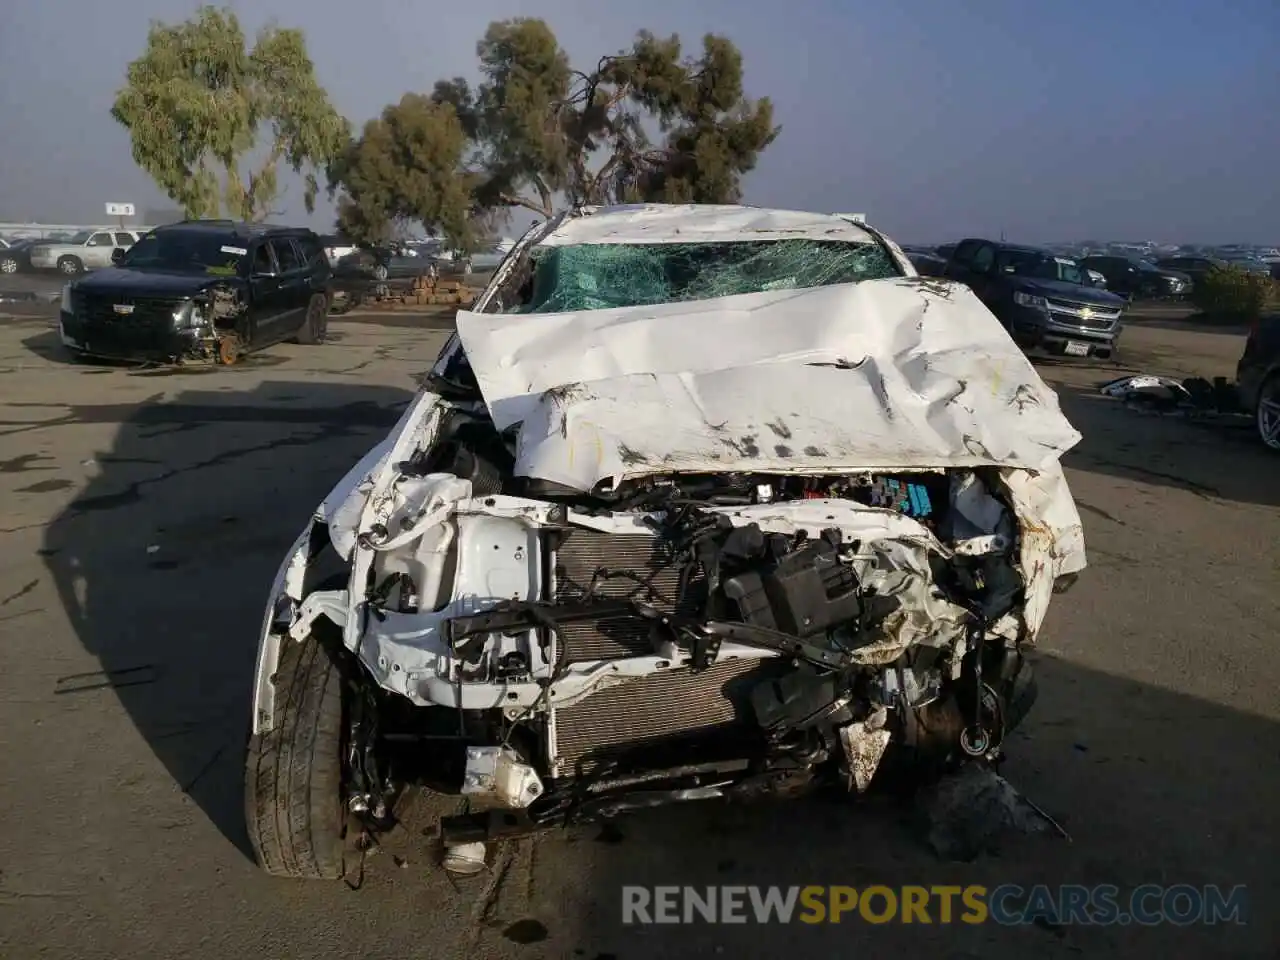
x,y
87,250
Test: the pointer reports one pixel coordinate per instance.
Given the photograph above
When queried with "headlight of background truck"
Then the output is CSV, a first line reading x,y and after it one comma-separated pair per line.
x,y
1027,300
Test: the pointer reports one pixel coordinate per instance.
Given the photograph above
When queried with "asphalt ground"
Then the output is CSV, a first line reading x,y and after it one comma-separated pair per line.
x,y
145,512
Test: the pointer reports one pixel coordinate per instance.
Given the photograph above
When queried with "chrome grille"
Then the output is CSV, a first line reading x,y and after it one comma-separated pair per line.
x,y
613,566
148,312
663,705
1087,315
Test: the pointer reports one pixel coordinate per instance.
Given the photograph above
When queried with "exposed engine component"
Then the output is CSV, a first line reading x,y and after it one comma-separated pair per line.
x,y
708,633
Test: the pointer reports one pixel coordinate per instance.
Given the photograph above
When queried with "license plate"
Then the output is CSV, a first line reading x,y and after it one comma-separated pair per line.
x,y
1076,349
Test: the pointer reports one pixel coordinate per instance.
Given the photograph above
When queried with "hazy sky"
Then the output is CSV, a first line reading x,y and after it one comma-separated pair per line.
x,y
1153,119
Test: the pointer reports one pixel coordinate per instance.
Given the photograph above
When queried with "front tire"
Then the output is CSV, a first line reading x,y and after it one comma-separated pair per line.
x,y
293,773
1266,419
8,266
71,266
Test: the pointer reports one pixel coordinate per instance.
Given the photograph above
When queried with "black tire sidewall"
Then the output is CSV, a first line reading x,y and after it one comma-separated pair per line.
x,y
1269,384
283,773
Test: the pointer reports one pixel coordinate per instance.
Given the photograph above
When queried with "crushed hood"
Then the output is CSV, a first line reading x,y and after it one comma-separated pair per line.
x,y
884,374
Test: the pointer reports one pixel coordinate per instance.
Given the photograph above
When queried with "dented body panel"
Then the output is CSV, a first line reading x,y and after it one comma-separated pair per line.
x,y
886,374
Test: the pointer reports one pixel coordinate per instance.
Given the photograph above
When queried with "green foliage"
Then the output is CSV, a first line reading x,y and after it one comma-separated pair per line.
x,y
536,131
713,133
197,100
405,166
1232,295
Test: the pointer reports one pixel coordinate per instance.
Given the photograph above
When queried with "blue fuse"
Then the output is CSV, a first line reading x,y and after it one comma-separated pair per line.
x,y
920,503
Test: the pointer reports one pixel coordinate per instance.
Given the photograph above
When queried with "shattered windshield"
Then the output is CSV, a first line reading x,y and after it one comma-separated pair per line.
x,y
186,251
600,276
1042,266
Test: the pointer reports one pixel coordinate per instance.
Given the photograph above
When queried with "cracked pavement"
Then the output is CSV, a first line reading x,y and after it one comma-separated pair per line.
x,y
145,512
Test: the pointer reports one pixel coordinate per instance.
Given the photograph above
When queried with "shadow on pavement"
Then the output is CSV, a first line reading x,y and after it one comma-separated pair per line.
x,y
1215,457
48,346
164,562
1186,323
1178,315
1152,786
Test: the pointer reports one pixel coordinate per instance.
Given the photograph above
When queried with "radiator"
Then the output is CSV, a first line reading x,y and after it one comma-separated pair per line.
x,y
666,704
656,581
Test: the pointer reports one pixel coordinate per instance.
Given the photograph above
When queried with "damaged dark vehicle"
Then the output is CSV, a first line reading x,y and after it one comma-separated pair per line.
x,y
699,502
200,290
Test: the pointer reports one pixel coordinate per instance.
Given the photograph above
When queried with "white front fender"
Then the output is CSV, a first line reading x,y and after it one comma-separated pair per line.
x,y
286,593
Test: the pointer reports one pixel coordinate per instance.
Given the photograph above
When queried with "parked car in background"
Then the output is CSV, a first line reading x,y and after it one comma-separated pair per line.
x,y
1045,301
487,257
201,289
86,250
1258,379
1137,279
336,247
1250,265
16,257
1195,267
375,271
926,260
391,263
1096,279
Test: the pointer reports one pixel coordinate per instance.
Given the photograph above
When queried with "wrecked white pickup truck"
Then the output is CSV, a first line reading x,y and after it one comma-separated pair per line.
x,y
698,502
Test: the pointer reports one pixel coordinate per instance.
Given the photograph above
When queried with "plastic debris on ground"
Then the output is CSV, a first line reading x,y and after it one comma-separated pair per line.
x,y
1165,395
971,812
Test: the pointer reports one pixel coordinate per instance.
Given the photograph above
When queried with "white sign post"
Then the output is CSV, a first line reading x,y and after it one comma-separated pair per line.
x,y
120,211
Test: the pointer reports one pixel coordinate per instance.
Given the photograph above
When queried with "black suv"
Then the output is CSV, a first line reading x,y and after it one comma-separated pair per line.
x,y
1044,300
1137,279
201,289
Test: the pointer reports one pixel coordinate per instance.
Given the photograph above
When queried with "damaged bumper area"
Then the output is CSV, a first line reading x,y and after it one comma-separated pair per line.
x,y
728,636
160,330
831,545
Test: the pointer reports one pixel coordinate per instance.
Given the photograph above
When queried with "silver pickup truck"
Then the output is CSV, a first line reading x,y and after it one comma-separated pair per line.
x,y
87,250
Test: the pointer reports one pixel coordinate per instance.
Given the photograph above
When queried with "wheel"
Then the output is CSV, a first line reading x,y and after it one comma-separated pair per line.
x,y
8,265
70,265
293,773
1267,416
229,350
316,325
380,272
466,268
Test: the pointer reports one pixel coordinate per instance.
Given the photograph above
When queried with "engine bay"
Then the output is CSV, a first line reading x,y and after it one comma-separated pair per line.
x,y
553,652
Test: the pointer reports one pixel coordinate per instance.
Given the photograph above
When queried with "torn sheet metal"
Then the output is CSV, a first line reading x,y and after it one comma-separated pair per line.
x,y
1156,394
1052,542
879,375
694,222
864,744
